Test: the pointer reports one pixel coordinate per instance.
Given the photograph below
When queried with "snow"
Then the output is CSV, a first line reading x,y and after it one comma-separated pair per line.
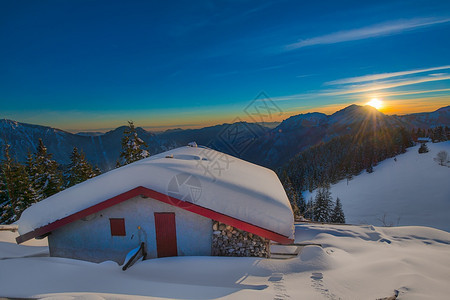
x,y
227,185
413,190
8,249
424,139
355,262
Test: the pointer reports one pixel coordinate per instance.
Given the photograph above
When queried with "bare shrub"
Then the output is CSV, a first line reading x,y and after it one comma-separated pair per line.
x,y
442,158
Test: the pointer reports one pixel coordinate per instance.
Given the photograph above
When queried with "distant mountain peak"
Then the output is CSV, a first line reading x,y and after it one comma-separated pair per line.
x,y
303,120
444,109
358,108
350,107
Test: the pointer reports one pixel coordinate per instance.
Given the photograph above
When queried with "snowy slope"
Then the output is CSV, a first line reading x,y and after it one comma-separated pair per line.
x,y
356,262
414,190
241,189
8,249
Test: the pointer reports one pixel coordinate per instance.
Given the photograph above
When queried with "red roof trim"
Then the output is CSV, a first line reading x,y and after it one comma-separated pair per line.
x,y
202,211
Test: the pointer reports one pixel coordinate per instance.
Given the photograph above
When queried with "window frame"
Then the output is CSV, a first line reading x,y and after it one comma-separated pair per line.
x,y
117,227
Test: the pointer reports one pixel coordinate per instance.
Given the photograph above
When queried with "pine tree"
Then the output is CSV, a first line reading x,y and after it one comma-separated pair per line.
x,y
131,146
16,189
6,212
79,169
302,204
30,169
437,135
323,205
337,215
22,192
423,148
45,175
8,176
420,133
97,171
309,213
8,215
29,165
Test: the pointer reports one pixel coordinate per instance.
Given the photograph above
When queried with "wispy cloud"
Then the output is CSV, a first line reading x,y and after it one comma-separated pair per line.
x,y
366,88
377,30
377,88
387,75
382,85
385,86
414,92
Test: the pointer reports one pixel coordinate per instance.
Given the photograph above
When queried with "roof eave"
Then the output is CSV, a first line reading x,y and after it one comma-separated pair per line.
x,y
143,191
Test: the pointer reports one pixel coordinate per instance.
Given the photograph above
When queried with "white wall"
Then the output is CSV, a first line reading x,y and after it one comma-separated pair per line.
x,y
91,239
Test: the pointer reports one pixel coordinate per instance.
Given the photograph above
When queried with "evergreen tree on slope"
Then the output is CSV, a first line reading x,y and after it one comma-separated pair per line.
x,y
22,191
79,168
6,213
302,204
337,215
44,173
309,212
131,146
30,171
16,189
323,205
423,148
7,176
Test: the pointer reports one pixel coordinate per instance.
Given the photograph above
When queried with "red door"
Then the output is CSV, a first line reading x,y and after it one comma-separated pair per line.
x,y
166,234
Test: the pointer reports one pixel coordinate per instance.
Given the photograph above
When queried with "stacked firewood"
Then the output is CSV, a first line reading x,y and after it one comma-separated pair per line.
x,y
230,241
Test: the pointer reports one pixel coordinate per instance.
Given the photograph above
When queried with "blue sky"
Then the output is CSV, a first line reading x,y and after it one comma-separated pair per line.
x,y
93,65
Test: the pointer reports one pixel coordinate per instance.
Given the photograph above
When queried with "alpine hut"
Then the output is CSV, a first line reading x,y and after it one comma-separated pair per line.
x,y
187,201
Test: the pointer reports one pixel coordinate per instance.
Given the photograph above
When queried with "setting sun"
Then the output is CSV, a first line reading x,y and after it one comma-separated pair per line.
x,y
375,103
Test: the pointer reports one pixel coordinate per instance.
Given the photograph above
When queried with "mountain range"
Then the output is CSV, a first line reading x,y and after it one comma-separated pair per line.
x,y
299,132
260,144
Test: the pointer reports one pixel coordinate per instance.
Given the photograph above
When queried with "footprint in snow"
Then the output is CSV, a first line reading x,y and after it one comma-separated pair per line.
x,y
318,284
278,286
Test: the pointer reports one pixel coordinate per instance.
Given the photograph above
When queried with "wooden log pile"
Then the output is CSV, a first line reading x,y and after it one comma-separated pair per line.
x,y
230,241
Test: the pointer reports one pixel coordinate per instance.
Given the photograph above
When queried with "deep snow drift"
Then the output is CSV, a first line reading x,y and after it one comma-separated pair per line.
x,y
356,262
411,190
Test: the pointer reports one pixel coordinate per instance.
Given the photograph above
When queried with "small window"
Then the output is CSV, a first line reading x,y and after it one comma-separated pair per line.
x,y
117,227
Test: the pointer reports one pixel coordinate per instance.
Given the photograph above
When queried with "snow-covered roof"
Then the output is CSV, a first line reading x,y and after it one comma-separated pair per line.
x,y
219,182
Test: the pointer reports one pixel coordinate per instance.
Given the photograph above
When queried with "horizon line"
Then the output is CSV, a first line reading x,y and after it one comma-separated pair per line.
x,y
163,128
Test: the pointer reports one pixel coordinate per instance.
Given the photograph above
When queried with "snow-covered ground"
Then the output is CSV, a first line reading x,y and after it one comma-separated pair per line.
x,y
9,248
356,262
411,190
